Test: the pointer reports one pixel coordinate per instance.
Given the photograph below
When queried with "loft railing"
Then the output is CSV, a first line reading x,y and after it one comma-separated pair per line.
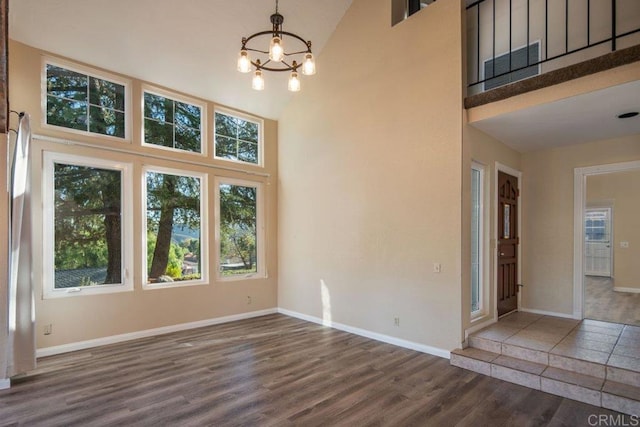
x,y
508,40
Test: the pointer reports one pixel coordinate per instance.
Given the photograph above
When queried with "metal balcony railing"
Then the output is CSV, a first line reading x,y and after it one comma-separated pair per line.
x,y
509,40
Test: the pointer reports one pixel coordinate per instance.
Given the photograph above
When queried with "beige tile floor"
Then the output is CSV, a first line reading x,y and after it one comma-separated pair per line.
x,y
605,343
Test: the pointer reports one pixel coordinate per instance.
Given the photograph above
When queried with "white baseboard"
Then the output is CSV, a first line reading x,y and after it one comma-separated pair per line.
x,y
368,334
82,345
5,384
630,290
547,313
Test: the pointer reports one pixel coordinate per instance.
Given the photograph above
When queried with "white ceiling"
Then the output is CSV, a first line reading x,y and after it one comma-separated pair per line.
x,y
588,117
188,45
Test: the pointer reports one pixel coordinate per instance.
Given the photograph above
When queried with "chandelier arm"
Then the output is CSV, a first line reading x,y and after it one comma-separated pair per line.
x,y
286,33
262,67
297,53
266,52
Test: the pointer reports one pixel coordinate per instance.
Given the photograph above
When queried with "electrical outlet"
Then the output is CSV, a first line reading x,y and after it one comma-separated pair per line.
x,y
624,245
248,300
396,321
48,329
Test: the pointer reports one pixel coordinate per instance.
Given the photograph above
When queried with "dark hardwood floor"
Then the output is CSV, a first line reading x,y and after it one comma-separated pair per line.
x,y
271,371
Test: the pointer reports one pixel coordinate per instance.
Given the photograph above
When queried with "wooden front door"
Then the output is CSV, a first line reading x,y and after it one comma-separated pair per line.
x,y
508,241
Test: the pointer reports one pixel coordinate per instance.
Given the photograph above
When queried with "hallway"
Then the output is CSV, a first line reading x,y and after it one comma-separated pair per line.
x,y
601,302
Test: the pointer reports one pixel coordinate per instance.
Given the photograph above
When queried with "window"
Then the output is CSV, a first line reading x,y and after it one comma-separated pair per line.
x,y
239,228
238,138
402,9
175,225
507,62
597,225
477,238
173,124
87,223
84,102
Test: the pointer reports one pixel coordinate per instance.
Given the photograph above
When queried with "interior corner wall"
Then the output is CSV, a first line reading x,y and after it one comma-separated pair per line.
x,y
547,238
488,152
621,191
370,178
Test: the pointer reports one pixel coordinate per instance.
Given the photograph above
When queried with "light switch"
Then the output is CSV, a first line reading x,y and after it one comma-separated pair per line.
x,y
624,245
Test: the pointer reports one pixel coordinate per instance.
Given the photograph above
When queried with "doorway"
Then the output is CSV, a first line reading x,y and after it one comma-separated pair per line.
x,y
606,226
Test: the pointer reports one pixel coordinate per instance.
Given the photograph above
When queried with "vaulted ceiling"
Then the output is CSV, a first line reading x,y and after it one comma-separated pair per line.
x,y
190,46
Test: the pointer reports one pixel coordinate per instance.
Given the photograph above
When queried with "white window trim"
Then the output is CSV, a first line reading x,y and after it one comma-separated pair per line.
x,y
261,272
180,98
249,118
204,231
92,72
483,291
48,252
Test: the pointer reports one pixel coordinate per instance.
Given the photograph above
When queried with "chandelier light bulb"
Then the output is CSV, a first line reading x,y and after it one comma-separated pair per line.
x,y
294,82
244,62
258,81
308,65
276,51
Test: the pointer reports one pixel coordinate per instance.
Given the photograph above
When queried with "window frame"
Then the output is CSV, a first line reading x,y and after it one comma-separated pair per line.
x,y
90,72
175,97
248,118
48,210
204,231
261,270
482,234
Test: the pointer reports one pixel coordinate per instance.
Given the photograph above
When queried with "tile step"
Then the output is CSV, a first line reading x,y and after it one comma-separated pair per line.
x,y
594,390
620,369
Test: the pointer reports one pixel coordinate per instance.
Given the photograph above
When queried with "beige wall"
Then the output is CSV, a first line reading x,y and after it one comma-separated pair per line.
x,y
488,152
621,190
370,177
547,237
87,317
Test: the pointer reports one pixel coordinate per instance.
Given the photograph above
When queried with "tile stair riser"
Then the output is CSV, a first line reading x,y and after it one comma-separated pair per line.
x,y
470,364
527,354
621,404
485,344
624,376
571,391
579,366
515,376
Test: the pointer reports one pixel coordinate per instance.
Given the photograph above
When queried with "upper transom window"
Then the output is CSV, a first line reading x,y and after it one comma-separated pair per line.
x,y
85,102
238,138
172,123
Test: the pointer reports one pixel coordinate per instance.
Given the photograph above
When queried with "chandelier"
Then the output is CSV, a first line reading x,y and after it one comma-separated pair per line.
x,y
277,58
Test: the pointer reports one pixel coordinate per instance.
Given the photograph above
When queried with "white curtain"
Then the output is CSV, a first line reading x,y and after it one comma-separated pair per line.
x,y
21,348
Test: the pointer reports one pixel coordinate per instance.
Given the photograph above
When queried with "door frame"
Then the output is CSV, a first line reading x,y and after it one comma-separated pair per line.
x,y
579,208
494,238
